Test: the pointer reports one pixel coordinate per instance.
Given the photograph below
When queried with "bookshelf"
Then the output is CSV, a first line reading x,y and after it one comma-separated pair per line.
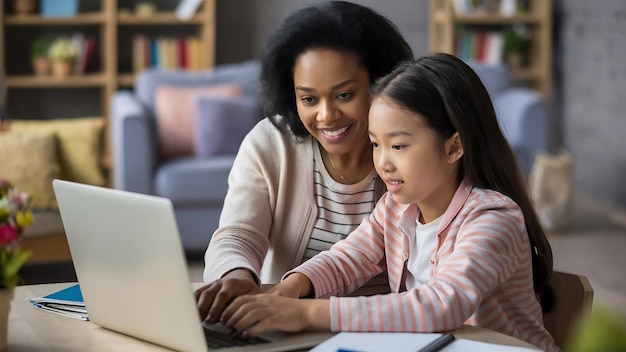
x,y
472,32
113,24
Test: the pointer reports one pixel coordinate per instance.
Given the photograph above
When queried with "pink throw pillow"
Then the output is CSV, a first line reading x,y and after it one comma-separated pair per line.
x,y
174,109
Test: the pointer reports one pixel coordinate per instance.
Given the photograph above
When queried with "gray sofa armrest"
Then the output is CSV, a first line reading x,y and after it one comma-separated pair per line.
x,y
134,144
523,118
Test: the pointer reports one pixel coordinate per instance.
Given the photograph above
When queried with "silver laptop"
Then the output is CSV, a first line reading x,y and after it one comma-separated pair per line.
x,y
132,270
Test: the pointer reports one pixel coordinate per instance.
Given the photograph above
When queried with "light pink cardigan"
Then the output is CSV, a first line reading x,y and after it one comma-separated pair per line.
x,y
481,275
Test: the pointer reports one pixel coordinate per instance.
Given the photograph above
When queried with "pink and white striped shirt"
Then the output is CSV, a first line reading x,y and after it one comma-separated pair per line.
x,y
481,274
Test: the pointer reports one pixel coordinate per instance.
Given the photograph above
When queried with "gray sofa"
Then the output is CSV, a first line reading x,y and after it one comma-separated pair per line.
x,y
197,185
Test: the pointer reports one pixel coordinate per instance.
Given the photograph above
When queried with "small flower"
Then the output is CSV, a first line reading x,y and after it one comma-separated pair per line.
x,y
23,218
18,199
8,234
15,216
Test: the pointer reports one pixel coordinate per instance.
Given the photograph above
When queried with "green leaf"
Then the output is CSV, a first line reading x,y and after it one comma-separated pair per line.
x,y
10,264
15,262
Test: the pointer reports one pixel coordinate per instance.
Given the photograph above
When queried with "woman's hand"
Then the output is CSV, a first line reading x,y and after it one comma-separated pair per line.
x,y
213,298
254,314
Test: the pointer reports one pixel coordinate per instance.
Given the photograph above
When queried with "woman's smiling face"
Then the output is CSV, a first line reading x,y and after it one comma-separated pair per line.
x,y
332,98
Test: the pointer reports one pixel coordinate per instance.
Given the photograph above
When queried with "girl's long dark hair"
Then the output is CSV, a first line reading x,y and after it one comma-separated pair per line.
x,y
451,97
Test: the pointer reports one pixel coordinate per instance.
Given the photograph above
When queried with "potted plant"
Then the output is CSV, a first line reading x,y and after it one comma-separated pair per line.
x,y
514,41
62,54
24,7
39,55
15,216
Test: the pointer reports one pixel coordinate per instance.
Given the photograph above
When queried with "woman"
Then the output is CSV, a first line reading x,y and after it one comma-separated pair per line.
x,y
456,231
303,178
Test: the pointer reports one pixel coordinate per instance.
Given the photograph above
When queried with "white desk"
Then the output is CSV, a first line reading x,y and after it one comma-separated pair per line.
x,y
32,329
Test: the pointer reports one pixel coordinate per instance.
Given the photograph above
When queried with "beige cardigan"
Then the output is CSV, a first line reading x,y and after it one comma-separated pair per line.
x,y
269,210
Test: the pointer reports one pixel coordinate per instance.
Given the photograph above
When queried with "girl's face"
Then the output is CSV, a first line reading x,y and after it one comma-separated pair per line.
x,y
332,98
411,159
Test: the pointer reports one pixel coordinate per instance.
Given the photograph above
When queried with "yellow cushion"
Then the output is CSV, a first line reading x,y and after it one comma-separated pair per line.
x,y
80,145
29,161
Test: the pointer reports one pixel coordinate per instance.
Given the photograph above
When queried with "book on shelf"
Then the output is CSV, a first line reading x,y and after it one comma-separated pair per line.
x,y
181,51
165,53
87,53
67,301
84,47
479,45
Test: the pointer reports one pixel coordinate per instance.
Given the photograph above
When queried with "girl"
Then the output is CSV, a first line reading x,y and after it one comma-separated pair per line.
x,y
456,231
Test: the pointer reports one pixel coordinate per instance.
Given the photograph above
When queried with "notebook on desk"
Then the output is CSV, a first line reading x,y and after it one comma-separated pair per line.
x,y
132,270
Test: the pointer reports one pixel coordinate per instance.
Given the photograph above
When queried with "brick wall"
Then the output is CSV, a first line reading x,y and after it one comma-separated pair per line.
x,y
590,68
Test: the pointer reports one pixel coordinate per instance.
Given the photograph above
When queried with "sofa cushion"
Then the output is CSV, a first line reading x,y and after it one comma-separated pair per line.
x,y
221,123
246,74
29,161
192,181
79,146
175,110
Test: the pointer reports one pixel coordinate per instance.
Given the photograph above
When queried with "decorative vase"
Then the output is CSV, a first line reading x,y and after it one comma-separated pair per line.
x,y
6,296
41,66
61,68
23,7
515,61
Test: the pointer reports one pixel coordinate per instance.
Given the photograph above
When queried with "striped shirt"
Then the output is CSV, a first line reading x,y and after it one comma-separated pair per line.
x,y
340,210
482,272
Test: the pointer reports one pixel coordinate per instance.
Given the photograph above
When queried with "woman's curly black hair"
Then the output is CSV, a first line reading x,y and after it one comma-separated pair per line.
x,y
338,25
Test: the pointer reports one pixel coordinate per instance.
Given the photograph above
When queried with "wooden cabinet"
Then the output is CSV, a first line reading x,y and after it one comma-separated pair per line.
x,y
450,20
112,24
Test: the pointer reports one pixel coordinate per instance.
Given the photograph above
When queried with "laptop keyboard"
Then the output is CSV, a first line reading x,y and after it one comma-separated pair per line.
x,y
218,339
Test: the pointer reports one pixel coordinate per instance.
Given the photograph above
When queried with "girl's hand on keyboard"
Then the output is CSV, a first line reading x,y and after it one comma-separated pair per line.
x,y
257,313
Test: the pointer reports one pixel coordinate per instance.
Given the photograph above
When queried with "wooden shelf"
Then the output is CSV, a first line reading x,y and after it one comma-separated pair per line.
x,y
488,19
126,79
94,18
163,18
111,28
77,81
447,25
526,74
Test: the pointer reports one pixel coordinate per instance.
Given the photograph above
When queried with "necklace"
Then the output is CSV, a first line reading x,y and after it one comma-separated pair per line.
x,y
339,173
